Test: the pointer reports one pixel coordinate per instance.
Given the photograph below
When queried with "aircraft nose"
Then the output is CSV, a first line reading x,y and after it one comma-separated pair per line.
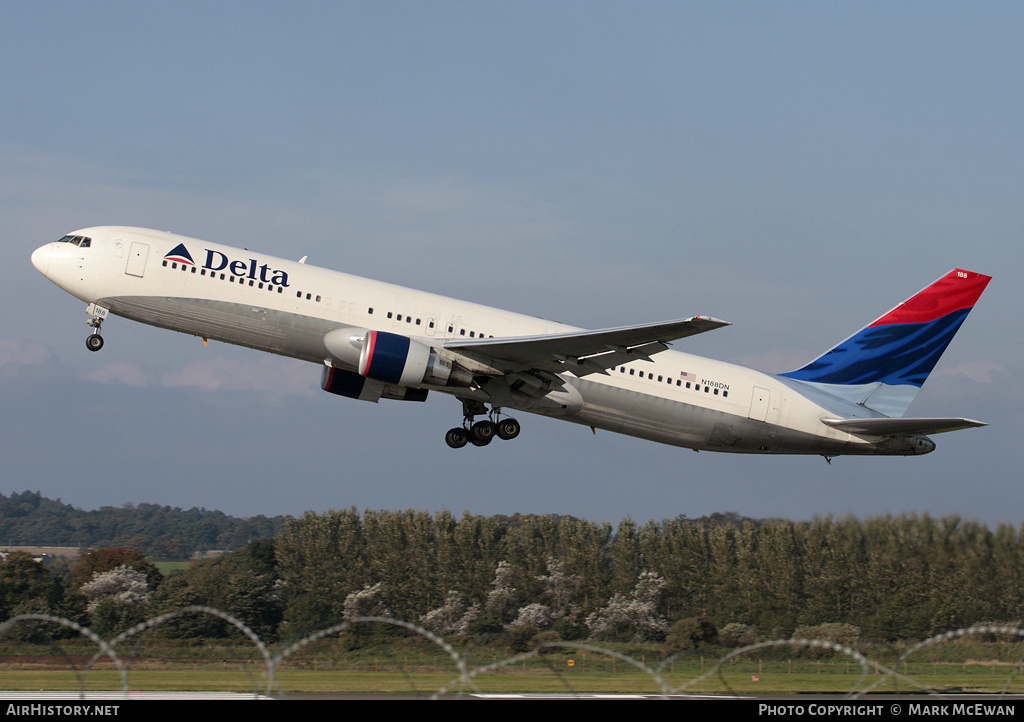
x,y
41,258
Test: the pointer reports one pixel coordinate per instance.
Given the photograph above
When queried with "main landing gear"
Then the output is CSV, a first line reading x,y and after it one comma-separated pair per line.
x,y
97,314
483,432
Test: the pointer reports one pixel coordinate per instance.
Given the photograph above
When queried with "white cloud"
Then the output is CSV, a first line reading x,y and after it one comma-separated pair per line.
x,y
119,372
272,376
983,372
776,361
15,353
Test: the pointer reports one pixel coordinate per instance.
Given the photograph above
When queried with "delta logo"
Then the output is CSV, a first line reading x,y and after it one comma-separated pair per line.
x,y
218,261
181,255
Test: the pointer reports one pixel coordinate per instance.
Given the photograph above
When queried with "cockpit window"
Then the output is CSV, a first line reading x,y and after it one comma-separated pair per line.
x,y
80,241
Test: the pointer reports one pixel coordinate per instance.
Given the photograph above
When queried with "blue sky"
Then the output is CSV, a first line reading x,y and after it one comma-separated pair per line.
x,y
794,168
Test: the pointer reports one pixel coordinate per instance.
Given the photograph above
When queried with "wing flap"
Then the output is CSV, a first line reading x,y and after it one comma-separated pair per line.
x,y
582,352
901,426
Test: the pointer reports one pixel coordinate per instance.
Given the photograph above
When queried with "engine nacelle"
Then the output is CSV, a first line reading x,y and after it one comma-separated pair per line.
x,y
394,359
353,386
345,344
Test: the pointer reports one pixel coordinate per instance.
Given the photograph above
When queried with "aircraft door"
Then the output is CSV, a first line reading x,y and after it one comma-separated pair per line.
x,y
137,259
759,404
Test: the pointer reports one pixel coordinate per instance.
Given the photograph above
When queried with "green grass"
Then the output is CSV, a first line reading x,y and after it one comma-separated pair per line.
x,y
405,664
168,567
515,678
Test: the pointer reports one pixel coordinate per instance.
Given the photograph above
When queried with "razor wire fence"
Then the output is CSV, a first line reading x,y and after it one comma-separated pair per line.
x,y
685,672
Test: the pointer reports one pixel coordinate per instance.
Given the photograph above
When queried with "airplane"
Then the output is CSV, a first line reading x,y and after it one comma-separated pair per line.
x,y
377,341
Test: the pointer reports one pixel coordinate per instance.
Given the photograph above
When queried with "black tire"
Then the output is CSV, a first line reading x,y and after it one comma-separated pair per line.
x,y
94,342
457,437
508,429
482,432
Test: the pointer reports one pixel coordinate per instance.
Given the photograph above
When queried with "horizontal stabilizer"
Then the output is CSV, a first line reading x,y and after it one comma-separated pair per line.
x,y
901,427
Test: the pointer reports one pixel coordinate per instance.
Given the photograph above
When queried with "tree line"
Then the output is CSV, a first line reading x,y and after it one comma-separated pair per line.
x,y
161,532
891,577
686,580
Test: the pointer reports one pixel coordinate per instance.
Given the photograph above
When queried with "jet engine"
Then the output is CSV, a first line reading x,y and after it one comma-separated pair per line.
x,y
395,359
350,384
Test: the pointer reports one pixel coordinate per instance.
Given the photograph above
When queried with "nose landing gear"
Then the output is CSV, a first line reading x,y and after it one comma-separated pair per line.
x,y
97,315
481,433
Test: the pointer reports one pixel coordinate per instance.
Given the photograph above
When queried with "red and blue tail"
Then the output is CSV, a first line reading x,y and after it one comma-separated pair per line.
x,y
884,365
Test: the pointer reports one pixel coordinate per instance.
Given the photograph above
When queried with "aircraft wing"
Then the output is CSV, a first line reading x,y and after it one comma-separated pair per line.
x,y
581,352
900,426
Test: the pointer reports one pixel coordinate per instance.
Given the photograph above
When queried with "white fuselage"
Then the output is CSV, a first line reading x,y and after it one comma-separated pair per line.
x,y
285,307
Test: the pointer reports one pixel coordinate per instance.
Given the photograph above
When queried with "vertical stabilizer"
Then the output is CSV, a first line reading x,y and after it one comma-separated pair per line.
x,y
884,365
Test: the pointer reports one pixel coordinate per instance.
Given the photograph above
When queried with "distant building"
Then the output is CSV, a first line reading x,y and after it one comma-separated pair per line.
x,y
43,555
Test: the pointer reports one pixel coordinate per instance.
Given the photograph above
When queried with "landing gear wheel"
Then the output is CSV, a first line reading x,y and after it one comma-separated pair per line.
x,y
94,342
457,437
482,432
508,429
